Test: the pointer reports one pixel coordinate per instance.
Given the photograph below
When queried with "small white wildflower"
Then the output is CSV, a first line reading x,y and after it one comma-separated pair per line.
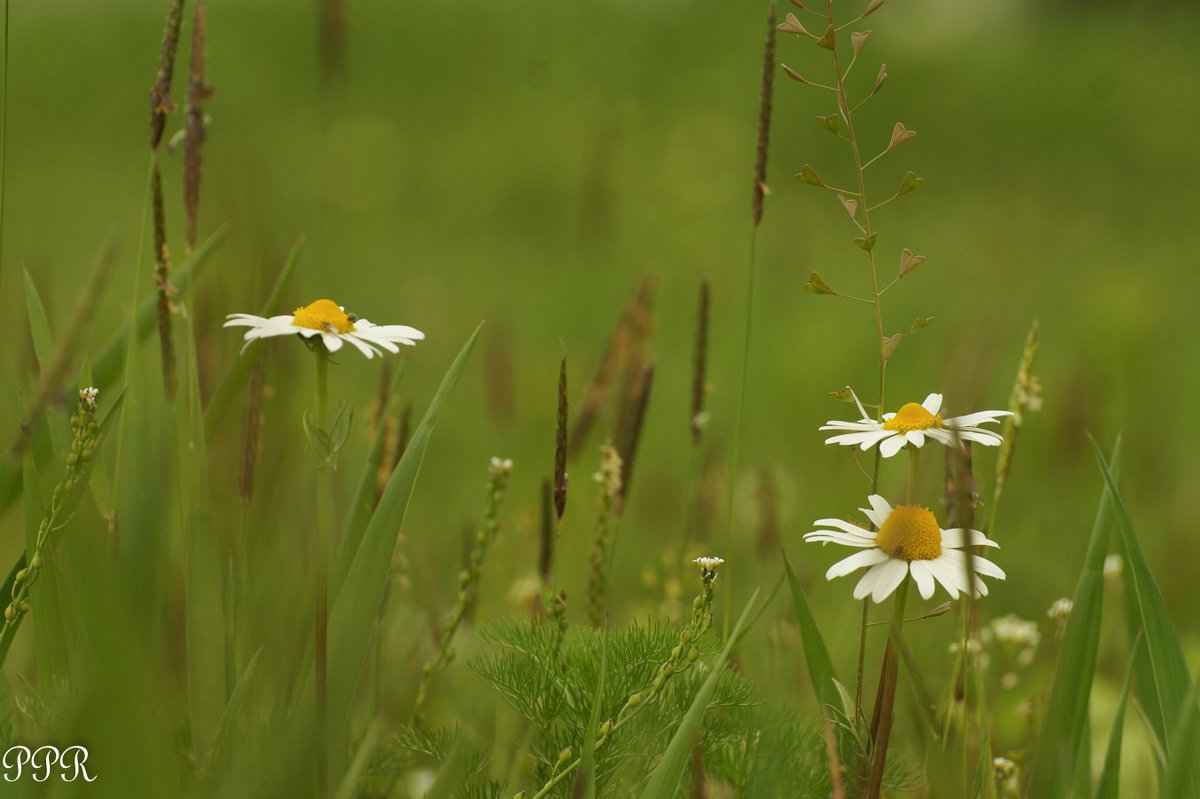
x,y
327,319
1012,629
1060,609
912,424
499,466
1113,565
1005,768
906,540
87,396
708,564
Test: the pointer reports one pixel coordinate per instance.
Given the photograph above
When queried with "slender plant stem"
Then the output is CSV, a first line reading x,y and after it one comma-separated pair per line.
x,y
321,563
914,458
887,687
737,435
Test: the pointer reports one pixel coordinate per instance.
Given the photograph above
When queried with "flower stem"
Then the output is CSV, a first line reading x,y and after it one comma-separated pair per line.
x,y
881,724
320,564
914,457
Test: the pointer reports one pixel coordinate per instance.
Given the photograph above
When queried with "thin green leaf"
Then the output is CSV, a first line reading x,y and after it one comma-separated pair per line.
x,y
816,655
585,778
232,717
39,326
1162,677
664,780
1067,711
355,607
204,611
364,497
1110,777
1179,781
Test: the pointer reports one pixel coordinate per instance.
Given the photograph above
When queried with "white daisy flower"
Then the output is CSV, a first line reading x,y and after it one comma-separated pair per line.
x,y
912,424
330,321
909,541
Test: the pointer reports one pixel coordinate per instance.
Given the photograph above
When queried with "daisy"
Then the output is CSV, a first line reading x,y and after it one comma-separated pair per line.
x,y
912,424
330,321
909,541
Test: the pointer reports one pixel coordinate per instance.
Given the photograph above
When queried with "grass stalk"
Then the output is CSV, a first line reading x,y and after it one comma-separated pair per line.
x,y
321,556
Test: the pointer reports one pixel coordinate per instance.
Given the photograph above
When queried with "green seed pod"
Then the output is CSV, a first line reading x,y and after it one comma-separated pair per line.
x,y
37,561
24,605
697,603
634,700
10,613
21,575
564,756
72,459
86,455
693,653
676,652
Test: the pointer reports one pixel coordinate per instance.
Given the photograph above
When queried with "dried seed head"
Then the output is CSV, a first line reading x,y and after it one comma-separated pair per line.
x,y
198,92
764,111
699,364
160,93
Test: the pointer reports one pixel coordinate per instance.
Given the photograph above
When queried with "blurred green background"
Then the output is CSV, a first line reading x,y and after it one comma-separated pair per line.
x,y
529,162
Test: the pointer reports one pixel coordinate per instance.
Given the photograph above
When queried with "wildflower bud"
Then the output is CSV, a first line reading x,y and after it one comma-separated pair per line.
x,y
58,492
72,459
697,603
519,795
634,700
686,635
86,455
676,652
605,729
10,613
24,605
708,621
564,756
21,575
36,562
693,653
464,577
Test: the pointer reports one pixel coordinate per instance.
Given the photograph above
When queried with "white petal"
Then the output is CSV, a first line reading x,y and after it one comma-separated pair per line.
x,y
933,403
362,346
957,538
891,574
868,557
891,446
834,424
333,342
915,437
985,437
973,419
987,568
845,539
879,511
922,577
950,577
842,524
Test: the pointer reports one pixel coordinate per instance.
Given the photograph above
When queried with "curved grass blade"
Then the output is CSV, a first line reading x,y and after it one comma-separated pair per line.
x,y
1178,781
1067,711
355,607
816,655
664,780
1110,778
1162,676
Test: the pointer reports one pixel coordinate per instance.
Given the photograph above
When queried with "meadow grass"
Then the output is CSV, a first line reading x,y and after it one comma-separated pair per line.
x,y
574,175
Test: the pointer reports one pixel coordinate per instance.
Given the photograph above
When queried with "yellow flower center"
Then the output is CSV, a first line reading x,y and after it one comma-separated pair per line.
x,y
324,315
912,417
910,533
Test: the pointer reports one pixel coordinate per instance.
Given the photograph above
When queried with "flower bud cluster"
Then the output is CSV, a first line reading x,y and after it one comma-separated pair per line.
x,y
85,434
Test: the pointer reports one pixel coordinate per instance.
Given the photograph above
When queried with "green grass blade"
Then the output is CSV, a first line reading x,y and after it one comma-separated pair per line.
x,y
107,367
816,655
363,503
1110,778
355,607
586,776
39,326
232,718
1161,672
664,780
239,371
1067,710
1179,781
205,614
